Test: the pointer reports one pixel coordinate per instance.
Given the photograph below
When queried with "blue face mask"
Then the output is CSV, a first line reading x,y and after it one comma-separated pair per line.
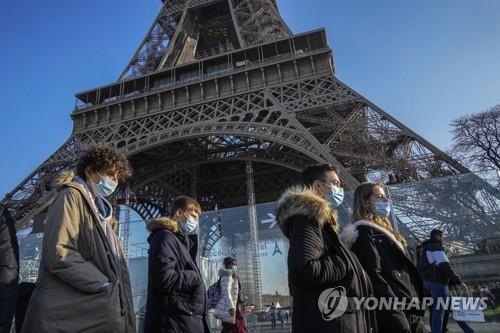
x,y
336,197
382,208
105,187
189,226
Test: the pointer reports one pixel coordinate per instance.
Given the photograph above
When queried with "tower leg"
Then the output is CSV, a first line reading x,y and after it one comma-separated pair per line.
x,y
254,237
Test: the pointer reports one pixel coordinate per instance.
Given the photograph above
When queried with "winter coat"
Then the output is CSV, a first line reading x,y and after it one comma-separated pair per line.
x,y
177,300
9,269
434,264
318,261
23,299
229,288
77,263
391,271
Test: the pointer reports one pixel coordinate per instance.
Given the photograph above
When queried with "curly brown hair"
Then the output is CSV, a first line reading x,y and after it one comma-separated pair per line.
x,y
101,157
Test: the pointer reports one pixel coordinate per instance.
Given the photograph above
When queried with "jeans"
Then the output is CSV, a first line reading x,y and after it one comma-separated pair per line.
x,y
438,291
437,316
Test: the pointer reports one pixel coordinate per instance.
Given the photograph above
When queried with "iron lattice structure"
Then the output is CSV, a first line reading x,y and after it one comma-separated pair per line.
x,y
216,83
221,87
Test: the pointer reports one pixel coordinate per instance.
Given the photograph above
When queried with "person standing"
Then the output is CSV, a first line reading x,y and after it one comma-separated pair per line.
x,y
83,282
9,269
488,295
177,300
382,253
318,263
228,307
272,314
281,317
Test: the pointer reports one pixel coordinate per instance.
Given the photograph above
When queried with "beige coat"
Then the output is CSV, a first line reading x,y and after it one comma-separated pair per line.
x,y
76,262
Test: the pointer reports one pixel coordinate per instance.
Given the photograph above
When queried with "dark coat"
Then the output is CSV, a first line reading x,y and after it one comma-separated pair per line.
x,y
9,269
318,261
439,270
177,300
391,272
23,299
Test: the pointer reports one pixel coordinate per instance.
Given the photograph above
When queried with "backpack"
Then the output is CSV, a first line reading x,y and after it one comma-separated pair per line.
x,y
214,294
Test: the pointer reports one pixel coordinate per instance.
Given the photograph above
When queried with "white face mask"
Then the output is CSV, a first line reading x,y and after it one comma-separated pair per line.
x,y
382,208
336,197
105,187
235,268
190,225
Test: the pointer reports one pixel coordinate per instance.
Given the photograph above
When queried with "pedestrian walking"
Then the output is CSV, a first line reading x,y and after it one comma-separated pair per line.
x,y
228,307
177,299
317,261
382,252
83,282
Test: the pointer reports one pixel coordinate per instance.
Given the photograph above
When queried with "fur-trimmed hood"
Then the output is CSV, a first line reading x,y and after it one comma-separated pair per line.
x,y
302,200
225,272
350,233
163,222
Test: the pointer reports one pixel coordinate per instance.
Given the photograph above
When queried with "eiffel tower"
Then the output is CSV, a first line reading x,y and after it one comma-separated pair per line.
x,y
223,102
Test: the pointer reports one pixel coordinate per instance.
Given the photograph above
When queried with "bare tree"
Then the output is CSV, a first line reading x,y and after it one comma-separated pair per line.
x,y
476,139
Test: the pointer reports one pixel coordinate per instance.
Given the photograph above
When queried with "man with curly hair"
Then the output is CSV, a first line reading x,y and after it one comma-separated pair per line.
x,y
83,283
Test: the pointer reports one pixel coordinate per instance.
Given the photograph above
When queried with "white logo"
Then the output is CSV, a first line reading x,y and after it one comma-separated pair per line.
x,y
271,220
332,303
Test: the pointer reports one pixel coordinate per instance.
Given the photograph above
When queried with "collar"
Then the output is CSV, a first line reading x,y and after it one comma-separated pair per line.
x,y
350,233
92,200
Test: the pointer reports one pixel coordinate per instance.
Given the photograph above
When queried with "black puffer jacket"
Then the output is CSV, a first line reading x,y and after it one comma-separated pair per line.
x,y
317,263
434,265
392,273
176,292
9,269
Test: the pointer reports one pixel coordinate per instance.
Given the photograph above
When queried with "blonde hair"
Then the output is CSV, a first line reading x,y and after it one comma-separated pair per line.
x,y
362,212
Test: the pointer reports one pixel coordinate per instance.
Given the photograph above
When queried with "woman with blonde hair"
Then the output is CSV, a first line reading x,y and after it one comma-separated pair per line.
x,y
381,252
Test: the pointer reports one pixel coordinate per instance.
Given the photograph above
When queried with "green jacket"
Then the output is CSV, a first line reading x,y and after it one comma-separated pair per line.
x,y
76,263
